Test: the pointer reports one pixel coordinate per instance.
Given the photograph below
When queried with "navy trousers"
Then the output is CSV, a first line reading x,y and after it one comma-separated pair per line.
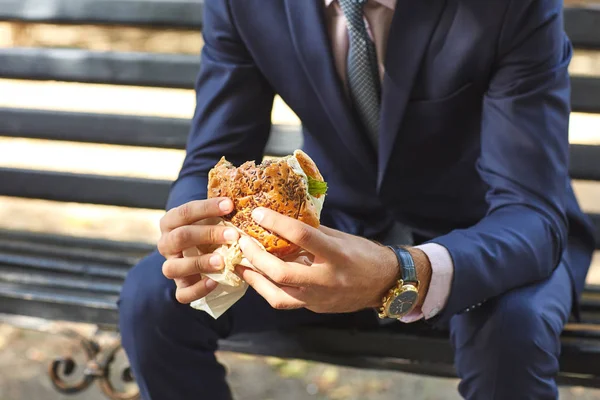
x,y
506,349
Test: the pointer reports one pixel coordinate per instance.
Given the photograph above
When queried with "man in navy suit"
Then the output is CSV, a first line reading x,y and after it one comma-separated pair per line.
x,y
441,125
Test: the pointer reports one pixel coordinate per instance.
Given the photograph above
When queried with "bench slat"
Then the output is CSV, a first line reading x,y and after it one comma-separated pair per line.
x,y
585,94
581,23
590,302
172,133
56,264
584,162
596,222
59,281
583,26
73,253
58,304
591,317
128,130
97,189
79,188
84,244
165,70
595,289
154,13
365,349
83,299
117,68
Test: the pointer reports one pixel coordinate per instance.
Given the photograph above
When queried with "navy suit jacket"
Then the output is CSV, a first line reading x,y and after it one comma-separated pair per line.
x,y
473,148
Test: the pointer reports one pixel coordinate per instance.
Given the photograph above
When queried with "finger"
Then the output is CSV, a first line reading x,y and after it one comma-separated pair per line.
x,y
188,236
182,267
332,232
277,270
193,211
187,281
275,296
297,232
198,290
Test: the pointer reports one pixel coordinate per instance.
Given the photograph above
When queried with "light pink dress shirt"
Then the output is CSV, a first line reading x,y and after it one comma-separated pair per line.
x,y
378,16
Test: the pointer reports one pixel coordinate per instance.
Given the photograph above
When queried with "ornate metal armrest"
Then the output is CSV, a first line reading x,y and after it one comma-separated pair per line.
x,y
97,368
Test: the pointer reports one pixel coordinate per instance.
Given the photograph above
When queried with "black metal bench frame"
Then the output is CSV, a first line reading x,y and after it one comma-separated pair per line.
x,y
78,279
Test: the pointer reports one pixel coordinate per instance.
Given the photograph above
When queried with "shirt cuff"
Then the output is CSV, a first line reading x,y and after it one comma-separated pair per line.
x,y
442,270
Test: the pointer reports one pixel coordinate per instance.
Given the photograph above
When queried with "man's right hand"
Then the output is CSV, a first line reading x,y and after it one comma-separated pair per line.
x,y
194,224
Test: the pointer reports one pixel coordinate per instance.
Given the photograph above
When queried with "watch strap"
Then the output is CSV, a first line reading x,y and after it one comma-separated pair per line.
x,y
407,264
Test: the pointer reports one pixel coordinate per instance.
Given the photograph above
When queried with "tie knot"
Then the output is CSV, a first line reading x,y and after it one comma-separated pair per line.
x,y
353,10
352,4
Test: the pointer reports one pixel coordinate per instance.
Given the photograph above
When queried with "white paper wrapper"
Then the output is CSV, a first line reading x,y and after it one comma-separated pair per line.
x,y
230,287
220,300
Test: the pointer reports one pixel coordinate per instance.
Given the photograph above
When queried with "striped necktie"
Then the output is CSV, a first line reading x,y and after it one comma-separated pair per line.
x,y
362,69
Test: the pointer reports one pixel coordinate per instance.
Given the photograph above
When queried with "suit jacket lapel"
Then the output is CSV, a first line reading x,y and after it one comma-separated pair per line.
x,y
412,26
312,44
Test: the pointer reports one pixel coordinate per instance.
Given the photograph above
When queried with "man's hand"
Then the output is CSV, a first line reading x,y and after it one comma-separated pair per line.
x,y
346,273
194,225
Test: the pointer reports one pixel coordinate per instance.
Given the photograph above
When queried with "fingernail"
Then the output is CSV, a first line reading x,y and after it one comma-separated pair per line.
x,y
226,205
258,215
242,242
230,235
215,261
210,284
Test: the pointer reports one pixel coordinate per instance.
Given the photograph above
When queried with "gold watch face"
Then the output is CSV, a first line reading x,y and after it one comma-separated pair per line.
x,y
401,304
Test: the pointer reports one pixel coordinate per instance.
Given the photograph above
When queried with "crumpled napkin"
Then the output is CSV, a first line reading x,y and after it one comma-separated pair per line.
x,y
221,299
230,287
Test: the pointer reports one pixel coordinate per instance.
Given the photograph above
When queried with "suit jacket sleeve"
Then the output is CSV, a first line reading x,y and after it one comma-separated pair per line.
x,y
233,106
524,150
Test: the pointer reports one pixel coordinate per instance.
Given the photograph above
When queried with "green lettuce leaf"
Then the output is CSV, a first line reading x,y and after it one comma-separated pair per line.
x,y
316,188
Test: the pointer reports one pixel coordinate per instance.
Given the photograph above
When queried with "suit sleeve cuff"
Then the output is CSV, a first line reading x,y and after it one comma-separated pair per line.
x,y
186,189
442,270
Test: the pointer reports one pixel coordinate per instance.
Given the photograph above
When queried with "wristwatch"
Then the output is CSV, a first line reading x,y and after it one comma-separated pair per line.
x,y
402,297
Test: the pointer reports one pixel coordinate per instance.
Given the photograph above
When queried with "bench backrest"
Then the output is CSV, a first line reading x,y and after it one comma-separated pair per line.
x,y
168,71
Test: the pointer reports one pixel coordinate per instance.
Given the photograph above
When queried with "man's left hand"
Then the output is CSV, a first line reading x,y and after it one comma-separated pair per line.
x,y
342,273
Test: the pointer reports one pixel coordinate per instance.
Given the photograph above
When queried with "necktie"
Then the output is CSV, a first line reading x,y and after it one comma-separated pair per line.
x,y
362,69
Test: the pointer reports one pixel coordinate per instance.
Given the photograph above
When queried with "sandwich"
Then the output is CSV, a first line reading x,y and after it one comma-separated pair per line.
x,y
290,185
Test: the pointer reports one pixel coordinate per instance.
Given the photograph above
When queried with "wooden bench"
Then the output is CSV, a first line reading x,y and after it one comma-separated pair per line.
x,y
79,279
